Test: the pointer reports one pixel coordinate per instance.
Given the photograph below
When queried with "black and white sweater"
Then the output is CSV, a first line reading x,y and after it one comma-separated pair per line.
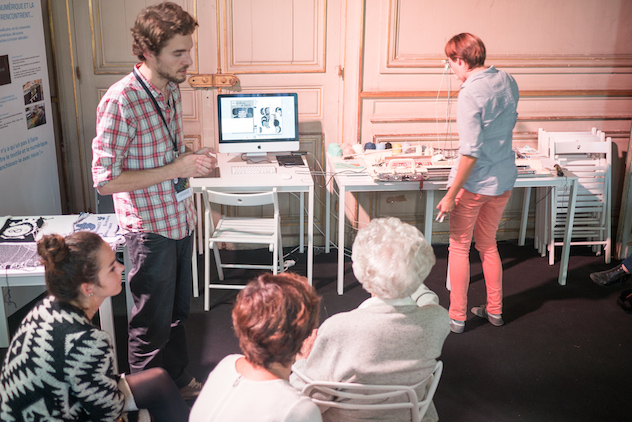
x,y
59,367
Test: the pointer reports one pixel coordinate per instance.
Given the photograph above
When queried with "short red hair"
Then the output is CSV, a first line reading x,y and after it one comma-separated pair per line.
x,y
467,47
272,317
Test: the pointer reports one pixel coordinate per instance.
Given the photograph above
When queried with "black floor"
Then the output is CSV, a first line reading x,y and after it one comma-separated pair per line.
x,y
564,353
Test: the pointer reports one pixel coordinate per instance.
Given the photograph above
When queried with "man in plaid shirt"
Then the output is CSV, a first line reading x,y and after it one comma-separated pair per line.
x,y
139,158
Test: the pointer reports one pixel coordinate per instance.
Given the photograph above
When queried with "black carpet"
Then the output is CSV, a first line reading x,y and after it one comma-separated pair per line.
x,y
563,353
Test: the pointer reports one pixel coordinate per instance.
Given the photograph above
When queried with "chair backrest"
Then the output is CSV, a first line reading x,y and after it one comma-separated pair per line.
x,y
591,162
583,146
243,199
355,396
238,199
546,139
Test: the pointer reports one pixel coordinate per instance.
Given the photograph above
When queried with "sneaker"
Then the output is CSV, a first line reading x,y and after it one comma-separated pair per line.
x,y
495,319
457,326
191,390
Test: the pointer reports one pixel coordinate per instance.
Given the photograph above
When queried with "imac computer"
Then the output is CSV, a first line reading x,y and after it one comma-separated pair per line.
x,y
255,124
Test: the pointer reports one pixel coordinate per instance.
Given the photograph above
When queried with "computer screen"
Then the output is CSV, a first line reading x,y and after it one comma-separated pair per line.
x,y
256,124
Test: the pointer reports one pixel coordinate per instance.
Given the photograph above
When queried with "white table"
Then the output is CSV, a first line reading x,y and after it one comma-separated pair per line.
x,y
34,276
350,182
296,179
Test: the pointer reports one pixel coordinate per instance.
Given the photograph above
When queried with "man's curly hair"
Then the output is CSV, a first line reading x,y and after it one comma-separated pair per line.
x,y
157,24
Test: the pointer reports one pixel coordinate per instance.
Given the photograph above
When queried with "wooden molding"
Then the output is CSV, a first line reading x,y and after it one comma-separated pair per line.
x,y
608,93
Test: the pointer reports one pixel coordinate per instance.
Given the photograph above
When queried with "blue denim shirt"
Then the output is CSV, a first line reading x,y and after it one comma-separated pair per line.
x,y
486,116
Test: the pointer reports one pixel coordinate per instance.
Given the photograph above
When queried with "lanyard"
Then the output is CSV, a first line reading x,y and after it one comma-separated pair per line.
x,y
153,100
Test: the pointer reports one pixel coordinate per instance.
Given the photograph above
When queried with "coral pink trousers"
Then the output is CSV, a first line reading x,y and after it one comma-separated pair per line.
x,y
477,215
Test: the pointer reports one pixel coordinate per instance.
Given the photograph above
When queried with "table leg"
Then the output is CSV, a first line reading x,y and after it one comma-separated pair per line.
x,y
330,188
194,266
4,324
341,239
428,217
525,215
107,324
200,220
551,226
301,224
566,248
310,234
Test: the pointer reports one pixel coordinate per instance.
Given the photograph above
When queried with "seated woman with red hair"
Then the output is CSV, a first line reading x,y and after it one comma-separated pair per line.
x,y
272,317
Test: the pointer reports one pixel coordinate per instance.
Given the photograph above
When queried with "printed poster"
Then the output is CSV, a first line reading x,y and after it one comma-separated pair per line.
x,y
29,182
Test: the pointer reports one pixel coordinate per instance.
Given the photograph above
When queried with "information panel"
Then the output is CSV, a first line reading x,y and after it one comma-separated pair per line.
x,y
29,183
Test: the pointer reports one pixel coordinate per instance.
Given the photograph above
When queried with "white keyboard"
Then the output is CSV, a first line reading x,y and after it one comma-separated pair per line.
x,y
253,169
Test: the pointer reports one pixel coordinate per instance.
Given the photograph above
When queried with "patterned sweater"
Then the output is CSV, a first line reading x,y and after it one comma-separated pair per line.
x,y
59,367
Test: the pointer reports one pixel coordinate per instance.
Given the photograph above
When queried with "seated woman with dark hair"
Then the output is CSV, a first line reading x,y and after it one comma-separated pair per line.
x,y
59,366
272,317
394,337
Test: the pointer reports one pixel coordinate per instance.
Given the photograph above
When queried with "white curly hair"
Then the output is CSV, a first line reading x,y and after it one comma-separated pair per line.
x,y
391,259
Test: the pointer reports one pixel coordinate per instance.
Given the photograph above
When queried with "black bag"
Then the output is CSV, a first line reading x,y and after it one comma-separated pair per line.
x,y
625,300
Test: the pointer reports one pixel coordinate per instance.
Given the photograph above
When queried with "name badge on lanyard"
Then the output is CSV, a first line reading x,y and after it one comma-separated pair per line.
x,y
181,186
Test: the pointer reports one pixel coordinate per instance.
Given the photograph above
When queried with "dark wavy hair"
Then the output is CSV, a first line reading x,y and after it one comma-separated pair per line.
x,y
272,317
157,24
467,47
69,262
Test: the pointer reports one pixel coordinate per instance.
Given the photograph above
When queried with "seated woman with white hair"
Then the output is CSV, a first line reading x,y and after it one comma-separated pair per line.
x,y
394,337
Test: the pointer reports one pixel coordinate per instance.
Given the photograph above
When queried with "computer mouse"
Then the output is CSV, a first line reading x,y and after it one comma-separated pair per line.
x,y
286,176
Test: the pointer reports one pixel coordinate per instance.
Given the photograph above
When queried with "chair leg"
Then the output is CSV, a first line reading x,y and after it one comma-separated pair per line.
x,y
275,255
551,226
207,274
218,262
280,253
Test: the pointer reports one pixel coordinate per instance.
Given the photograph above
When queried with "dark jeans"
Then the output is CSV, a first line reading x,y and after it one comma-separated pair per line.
x,y
627,263
155,391
160,281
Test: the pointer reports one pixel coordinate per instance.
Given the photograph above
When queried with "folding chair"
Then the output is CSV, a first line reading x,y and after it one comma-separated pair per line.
x,y
591,162
373,397
248,230
543,204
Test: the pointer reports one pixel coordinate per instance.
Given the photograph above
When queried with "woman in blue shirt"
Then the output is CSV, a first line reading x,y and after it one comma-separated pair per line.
x,y
480,184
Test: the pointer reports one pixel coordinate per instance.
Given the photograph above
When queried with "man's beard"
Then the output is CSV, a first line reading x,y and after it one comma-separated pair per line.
x,y
176,78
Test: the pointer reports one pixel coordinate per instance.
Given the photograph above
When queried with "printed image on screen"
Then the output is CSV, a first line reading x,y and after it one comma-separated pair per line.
x,y
258,122
260,118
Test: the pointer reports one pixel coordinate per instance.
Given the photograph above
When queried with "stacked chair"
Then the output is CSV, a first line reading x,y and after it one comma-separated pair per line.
x,y
588,155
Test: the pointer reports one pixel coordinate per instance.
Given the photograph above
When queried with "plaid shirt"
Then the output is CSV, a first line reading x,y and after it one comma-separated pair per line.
x,y
132,136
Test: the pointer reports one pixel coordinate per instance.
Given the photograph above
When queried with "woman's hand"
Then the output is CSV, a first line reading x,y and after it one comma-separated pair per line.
x,y
445,206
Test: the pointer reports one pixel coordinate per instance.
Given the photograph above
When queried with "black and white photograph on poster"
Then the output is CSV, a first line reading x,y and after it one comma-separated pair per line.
x,y
5,71
33,92
35,116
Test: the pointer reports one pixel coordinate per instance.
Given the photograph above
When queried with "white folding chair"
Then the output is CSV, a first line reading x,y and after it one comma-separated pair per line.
x,y
373,397
247,230
591,162
543,203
